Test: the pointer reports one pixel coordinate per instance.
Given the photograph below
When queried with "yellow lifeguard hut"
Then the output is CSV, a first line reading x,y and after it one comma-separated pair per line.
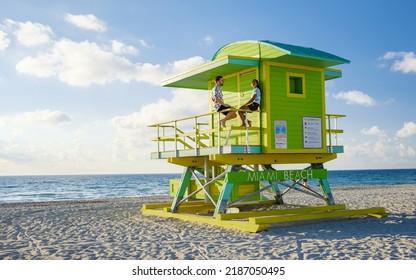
x,y
226,168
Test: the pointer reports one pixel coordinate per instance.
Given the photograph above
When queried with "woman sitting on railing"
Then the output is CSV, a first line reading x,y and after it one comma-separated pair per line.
x,y
253,104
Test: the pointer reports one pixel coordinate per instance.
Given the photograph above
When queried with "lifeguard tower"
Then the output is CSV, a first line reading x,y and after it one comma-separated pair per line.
x,y
228,169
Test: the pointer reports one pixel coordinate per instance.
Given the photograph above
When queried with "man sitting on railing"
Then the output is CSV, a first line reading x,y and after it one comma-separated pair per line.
x,y
253,104
219,105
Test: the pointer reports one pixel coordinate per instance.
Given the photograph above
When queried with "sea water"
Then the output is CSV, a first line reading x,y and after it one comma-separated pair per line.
x,y
88,187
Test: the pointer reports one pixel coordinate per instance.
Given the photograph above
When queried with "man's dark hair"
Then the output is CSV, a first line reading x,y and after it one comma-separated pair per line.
x,y
218,78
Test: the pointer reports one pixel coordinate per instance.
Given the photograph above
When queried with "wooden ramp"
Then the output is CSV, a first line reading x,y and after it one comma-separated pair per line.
x,y
256,221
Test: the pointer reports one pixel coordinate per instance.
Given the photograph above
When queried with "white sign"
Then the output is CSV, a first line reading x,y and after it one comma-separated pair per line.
x,y
280,135
312,132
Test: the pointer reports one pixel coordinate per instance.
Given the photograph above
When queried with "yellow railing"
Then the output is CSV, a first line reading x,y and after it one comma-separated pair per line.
x,y
332,130
202,131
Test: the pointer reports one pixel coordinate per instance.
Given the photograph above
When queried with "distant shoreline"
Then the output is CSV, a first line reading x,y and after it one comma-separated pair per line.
x,y
147,198
179,173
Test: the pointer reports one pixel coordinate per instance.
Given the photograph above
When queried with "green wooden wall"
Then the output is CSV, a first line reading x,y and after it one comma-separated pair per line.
x,y
293,109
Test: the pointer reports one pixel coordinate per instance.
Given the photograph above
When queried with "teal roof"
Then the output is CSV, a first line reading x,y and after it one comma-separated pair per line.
x,y
241,55
280,52
307,52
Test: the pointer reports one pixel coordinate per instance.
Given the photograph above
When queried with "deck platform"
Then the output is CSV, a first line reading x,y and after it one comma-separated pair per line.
x,y
247,216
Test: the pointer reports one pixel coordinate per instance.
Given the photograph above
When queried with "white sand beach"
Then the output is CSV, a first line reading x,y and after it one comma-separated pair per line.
x,y
116,229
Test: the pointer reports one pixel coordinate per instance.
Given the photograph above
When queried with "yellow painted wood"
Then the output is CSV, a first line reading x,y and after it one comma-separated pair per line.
x,y
191,161
202,204
196,208
335,131
378,215
155,206
313,216
168,204
336,115
244,226
298,210
281,158
257,221
240,128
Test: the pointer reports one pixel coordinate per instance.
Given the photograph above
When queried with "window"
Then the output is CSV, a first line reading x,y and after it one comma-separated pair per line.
x,y
295,85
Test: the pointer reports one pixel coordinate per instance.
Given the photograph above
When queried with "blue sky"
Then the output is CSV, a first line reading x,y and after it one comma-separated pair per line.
x,y
80,80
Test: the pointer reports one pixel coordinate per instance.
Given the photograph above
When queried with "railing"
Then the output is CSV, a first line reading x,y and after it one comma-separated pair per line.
x,y
332,132
203,131
195,135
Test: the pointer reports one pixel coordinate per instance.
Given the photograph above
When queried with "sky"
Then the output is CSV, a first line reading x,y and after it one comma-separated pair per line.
x,y
80,80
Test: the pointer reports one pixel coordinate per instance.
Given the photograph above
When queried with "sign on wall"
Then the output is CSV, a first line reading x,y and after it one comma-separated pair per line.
x,y
280,135
312,132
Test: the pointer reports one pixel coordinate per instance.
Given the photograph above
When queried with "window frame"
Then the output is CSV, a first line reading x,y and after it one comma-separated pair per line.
x,y
289,75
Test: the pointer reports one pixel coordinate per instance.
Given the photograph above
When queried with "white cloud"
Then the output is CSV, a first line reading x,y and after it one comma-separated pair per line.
x,y
30,34
79,64
355,97
406,152
121,48
143,43
41,66
408,129
183,65
372,151
4,41
405,61
39,116
392,55
373,131
89,22
384,151
208,40
134,136
86,63
183,103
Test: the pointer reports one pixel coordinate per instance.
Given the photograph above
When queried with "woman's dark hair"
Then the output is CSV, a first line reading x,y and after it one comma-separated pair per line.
x,y
257,82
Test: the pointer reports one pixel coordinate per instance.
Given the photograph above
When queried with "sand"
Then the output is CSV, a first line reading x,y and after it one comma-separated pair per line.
x,y
116,229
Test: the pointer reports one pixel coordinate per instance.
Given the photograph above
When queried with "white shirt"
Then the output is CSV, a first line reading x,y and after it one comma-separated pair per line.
x,y
216,92
257,92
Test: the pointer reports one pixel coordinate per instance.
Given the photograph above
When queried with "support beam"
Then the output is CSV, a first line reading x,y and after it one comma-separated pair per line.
x,y
327,191
185,182
224,194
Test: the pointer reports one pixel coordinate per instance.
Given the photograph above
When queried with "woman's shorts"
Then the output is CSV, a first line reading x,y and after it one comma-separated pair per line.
x,y
253,106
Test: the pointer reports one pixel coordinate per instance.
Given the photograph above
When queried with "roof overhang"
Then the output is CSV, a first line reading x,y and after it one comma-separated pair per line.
x,y
308,61
331,73
199,77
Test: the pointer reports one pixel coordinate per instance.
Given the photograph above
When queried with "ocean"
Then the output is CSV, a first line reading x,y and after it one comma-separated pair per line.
x,y
89,187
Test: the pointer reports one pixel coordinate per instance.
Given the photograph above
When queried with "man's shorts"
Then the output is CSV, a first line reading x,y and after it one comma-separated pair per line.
x,y
222,107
